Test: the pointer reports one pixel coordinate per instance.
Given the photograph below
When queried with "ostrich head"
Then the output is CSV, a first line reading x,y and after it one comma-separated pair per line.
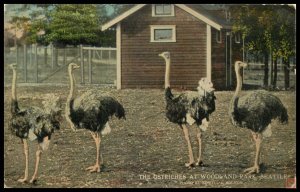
x,y
240,64
13,66
205,85
73,66
165,55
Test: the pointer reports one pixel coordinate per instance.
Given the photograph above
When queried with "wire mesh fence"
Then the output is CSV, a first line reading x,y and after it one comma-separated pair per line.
x,y
48,64
254,72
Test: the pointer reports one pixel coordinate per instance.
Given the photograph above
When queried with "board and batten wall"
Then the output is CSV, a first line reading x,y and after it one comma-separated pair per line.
x,y
141,67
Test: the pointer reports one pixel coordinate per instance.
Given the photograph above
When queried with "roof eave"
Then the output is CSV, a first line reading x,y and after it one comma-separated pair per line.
x,y
121,17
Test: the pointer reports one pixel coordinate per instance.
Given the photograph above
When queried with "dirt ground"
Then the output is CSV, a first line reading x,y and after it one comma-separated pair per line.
x,y
146,150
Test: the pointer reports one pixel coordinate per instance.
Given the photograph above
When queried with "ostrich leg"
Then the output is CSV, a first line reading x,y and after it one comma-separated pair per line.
x,y
26,161
199,135
96,167
187,138
41,147
258,139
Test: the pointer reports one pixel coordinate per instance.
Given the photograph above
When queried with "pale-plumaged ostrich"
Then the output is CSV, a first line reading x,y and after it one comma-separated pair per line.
x,y
34,123
189,108
255,111
91,111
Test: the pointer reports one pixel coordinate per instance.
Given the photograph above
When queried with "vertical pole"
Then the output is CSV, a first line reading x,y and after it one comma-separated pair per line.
x,y
243,57
36,62
17,54
230,59
30,55
118,44
64,62
90,66
81,64
45,55
52,55
25,63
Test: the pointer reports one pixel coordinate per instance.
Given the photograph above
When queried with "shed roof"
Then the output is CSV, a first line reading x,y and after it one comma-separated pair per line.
x,y
209,13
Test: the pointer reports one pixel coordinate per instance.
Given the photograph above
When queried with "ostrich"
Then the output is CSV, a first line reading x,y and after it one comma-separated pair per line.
x,y
189,108
33,123
91,111
255,112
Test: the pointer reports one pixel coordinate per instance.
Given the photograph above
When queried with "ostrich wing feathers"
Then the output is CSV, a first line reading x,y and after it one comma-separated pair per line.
x,y
256,110
92,110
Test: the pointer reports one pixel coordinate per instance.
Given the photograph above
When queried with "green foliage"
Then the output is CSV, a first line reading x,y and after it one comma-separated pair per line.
x,y
74,24
265,27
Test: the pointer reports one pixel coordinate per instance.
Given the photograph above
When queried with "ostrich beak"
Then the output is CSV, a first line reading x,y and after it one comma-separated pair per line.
x,y
76,66
12,65
244,65
160,54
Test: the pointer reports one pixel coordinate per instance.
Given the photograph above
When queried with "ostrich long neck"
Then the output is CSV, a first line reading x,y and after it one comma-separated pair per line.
x,y
234,101
72,88
13,86
69,99
167,75
238,82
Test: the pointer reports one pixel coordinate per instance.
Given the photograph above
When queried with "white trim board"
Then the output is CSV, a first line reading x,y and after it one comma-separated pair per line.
x,y
122,16
118,39
208,52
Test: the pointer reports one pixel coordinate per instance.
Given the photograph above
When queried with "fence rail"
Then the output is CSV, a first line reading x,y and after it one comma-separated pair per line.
x,y
254,74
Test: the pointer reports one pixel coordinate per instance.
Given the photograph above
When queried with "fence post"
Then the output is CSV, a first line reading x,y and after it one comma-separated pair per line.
x,y
90,67
30,55
45,55
56,56
64,62
36,62
17,55
52,55
25,63
81,64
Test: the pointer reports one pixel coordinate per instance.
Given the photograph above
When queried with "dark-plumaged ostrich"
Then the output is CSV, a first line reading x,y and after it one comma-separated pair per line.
x,y
189,108
255,111
91,111
34,123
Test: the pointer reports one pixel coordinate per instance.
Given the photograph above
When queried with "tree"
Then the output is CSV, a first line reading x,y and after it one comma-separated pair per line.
x,y
267,30
287,39
73,24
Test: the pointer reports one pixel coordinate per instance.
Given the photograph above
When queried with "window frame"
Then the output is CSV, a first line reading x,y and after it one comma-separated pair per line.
x,y
237,40
154,27
154,12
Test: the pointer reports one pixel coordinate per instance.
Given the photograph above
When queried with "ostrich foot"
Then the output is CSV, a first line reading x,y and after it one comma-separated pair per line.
x,y
24,180
94,168
250,170
200,163
33,180
190,165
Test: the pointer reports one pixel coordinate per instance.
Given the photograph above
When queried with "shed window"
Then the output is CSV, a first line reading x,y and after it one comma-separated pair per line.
x,y
219,37
162,10
237,38
163,33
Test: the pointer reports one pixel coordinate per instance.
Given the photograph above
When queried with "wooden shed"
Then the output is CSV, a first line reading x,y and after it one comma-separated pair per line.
x,y
198,37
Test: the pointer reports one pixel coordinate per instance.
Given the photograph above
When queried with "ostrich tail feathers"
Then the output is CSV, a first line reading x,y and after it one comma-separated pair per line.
x,y
168,94
14,107
284,116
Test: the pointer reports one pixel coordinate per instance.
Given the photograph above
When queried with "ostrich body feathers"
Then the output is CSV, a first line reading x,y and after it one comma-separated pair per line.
x,y
33,122
92,110
256,110
189,104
